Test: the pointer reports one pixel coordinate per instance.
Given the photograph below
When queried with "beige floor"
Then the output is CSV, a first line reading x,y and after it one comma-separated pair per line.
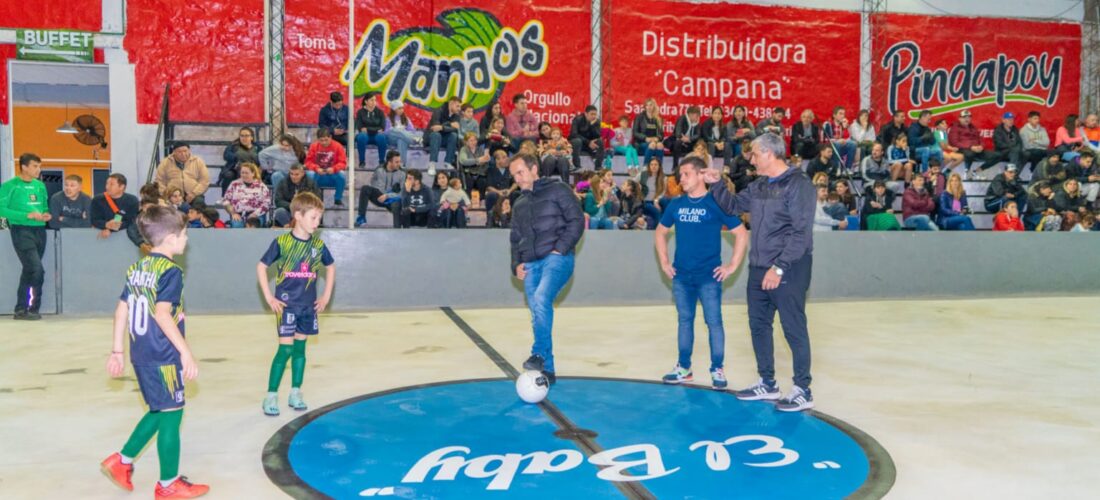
x,y
972,399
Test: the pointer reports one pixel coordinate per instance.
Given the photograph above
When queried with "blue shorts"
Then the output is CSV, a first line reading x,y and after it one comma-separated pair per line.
x,y
161,386
297,319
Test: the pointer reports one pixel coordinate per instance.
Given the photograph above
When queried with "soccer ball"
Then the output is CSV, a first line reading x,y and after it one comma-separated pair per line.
x,y
532,386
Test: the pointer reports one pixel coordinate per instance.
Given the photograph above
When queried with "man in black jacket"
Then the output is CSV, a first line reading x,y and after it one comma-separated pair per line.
x,y
295,182
443,131
334,117
1005,188
1007,145
893,129
805,136
585,136
115,210
547,223
782,203
689,128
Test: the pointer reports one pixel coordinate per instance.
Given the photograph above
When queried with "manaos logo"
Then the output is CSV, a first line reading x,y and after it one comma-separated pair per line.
x,y
969,84
470,56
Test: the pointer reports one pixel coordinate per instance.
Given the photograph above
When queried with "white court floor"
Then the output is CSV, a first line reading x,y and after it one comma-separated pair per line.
x,y
972,399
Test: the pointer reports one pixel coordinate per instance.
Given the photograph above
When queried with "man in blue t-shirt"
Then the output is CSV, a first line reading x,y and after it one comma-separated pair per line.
x,y
697,272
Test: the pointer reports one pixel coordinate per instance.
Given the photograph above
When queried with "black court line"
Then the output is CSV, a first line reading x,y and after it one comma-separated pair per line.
x,y
569,430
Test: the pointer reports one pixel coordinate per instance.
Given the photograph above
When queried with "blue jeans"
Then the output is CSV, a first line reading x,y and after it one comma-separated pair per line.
x,y
545,278
447,139
1032,221
920,223
652,214
363,139
688,290
601,223
402,139
847,150
338,181
648,152
957,223
927,153
276,178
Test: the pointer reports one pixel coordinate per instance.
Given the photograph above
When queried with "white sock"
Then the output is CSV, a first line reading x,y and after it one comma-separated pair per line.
x,y
168,482
125,459
272,394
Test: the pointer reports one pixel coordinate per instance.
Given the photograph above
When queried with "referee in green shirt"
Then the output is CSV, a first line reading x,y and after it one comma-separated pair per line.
x,y
24,203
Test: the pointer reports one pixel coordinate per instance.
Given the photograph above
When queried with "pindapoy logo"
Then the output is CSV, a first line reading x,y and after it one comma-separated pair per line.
x,y
470,56
970,84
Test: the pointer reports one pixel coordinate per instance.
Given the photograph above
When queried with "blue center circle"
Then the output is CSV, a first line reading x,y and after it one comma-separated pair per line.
x,y
596,438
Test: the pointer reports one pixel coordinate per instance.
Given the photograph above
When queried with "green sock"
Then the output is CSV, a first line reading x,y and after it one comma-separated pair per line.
x,y
278,366
298,364
168,444
144,431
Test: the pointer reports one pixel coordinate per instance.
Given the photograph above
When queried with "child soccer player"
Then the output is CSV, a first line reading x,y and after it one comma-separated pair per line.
x,y
299,256
151,310
697,272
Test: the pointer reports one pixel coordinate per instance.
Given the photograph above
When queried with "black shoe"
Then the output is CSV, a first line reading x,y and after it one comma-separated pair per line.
x,y
550,378
32,316
535,362
19,315
338,203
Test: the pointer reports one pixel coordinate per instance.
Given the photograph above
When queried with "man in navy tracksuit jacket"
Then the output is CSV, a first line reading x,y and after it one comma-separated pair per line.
x,y
782,203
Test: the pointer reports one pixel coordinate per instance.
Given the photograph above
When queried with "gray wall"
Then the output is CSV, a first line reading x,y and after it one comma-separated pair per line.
x,y
417,269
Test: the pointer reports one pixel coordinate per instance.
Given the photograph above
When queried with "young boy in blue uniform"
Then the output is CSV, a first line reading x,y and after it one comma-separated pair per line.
x,y
151,310
298,256
697,272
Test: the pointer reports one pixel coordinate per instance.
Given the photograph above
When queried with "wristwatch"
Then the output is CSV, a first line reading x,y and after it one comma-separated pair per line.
x,y
778,270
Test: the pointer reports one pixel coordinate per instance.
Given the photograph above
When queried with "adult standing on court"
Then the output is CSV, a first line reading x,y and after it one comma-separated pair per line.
x,y
547,223
782,203
23,202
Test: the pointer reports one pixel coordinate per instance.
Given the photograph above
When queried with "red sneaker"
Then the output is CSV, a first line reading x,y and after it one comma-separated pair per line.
x,y
181,488
118,472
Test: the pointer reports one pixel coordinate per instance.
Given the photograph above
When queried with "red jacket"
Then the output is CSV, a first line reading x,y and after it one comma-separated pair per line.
x,y
1002,222
916,204
964,137
332,157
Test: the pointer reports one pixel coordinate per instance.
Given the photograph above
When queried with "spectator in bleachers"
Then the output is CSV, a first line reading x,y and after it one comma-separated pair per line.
x,y
652,181
893,129
243,150
370,126
401,132
738,130
70,207
773,124
900,161
183,170
452,204
684,135
805,136
440,183
649,132
416,201
1007,144
495,111
614,192
863,132
467,124
699,150
555,153
965,136
1050,168
875,167
631,215
384,190
918,207
1008,218
443,132
278,158
528,148
953,210
247,197
585,136
114,210
1070,137
742,171
823,219
820,179
1070,222
473,162
1087,172
836,133
175,200
496,138
334,118
823,163
597,205
521,124
501,214
714,133
935,180
878,209
499,181
923,142
843,189
210,219
1040,204
622,142
1069,197
296,182
952,157
1005,188
1091,131
545,129
1034,141
325,164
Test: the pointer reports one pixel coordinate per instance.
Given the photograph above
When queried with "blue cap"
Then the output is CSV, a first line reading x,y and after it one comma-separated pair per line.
x,y
1009,116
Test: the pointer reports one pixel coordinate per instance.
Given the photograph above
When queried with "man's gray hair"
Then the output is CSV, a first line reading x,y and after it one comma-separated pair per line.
x,y
772,143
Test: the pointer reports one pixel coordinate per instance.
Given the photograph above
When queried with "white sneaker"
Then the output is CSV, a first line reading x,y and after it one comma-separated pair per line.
x,y
796,400
431,169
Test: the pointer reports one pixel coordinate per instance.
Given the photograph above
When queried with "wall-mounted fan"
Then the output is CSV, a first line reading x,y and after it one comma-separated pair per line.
x,y
90,131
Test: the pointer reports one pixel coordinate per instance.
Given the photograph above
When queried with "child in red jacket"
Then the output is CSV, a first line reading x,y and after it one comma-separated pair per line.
x,y
1008,219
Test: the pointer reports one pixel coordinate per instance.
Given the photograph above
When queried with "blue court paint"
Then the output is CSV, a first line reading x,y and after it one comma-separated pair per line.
x,y
383,445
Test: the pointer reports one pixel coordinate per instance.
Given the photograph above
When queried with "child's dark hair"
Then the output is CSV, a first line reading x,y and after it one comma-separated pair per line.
x,y
156,223
833,197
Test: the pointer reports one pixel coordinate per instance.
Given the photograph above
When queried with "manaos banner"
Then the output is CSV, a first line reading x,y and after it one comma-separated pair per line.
x,y
725,55
985,65
479,51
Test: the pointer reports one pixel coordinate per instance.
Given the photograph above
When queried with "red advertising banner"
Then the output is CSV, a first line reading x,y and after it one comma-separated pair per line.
x,y
725,55
82,15
985,65
423,54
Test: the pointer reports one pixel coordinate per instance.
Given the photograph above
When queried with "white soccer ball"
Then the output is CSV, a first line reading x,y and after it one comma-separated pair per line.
x,y
532,386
